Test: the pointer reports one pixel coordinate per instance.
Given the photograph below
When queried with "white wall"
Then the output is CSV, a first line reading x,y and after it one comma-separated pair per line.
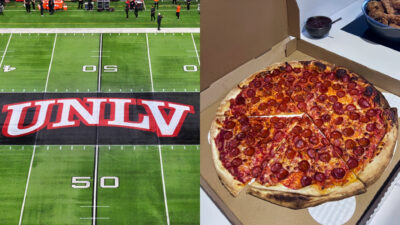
x,y
320,7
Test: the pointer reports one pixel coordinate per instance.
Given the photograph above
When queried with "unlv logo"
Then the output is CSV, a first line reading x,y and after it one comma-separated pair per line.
x,y
163,118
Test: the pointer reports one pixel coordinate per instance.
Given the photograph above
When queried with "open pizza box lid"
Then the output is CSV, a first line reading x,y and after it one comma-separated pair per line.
x,y
238,40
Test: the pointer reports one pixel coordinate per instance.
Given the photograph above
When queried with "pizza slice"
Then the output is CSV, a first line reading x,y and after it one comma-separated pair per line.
x,y
241,145
308,172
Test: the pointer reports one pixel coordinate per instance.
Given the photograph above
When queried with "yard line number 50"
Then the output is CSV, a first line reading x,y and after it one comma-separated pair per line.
x,y
84,182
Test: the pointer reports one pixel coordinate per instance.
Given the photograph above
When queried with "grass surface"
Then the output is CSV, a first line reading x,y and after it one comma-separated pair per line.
x,y
140,198
15,16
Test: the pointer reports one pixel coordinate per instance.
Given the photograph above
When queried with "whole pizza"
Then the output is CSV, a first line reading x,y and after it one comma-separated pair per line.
x,y
299,134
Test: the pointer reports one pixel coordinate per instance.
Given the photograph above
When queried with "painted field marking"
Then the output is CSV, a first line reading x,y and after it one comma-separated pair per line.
x,y
5,50
27,185
148,56
195,48
99,206
51,62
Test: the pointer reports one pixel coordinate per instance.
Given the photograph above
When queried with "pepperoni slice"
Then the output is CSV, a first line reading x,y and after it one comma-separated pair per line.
x,y
262,106
241,136
254,100
364,142
302,106
257,127
325,141
257,83
250,93
267,79
300,144
250,140
290,154
264,133
236,162
333,98
249,151
354,116
322,98
353,92
340,94
337,152
244,120
319,122
338,108
363,103
229,124
234,152
338,173
350,144
320,177
336,134
314,140
278,136
327,83
276,167
304,166
299,98
228,135
352,163
371,127
297,70
323,89
311,152
326,117
350,107
297,129
364,119
305,181
348,131
256,171
271,102
339,120
371,113
282,174
351,85
282,107
240,100
324,157
358,151
307,133
336,86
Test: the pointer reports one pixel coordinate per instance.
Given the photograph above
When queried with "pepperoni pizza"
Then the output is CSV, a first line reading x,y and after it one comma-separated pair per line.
x,y
302,133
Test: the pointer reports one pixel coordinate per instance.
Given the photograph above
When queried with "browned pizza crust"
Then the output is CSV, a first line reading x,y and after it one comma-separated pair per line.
x,y
297,200
374,169
234,186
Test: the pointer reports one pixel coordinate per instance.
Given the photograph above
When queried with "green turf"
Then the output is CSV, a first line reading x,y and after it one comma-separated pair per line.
x,y
139,199
181,171
16,16
169,53
30,54
129,52
71,53
51,199
14,166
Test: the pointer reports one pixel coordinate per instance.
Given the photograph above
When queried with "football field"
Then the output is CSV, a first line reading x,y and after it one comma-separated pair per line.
x,y
99,184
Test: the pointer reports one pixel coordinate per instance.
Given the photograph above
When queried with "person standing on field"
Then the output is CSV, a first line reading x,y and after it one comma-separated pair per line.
x,y
153,13
41,7
80,4
159,18
178,11
136,10
156,3
127,9
188,4
33,4
27,5
51,7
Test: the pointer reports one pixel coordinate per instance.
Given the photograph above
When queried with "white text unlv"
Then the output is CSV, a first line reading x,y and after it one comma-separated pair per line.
x,y
161,117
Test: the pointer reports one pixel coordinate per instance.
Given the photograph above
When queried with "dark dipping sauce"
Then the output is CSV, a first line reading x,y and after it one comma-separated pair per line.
x,y
318,22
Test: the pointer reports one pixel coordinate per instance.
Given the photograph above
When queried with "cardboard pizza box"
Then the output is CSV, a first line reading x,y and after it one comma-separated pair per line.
x,y
238,41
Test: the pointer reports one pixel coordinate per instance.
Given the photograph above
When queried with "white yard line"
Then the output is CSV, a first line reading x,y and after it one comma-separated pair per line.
x,y
100,63
159,146
95,186
195,48
98,30
51,62
27,185
148,56
5,51
163,182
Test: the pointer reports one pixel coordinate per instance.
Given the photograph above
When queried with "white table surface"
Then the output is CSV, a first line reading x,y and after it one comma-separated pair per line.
x,y
374,56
